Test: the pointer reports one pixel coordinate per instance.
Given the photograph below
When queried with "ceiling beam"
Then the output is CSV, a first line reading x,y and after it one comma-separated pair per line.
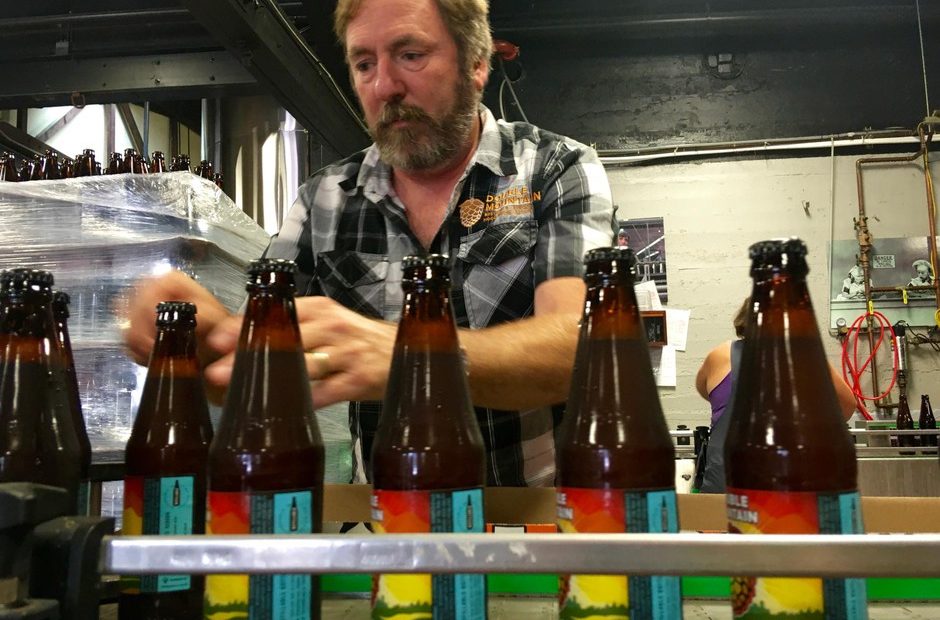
x,y
55,126
258,33
23,144
42,83
130,126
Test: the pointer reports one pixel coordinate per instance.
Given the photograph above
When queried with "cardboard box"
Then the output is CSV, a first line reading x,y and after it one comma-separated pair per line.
x,y
697,512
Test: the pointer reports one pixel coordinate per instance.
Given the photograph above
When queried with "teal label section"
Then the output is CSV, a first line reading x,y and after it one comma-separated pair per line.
x,y
458,597
168,511
841,513
281,597
654,512
84,497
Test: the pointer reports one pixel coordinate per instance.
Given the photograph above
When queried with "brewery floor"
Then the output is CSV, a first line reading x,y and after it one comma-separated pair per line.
x,y
540,609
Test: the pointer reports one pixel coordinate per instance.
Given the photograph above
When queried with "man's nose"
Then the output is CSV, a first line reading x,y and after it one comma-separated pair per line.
x,y
388,84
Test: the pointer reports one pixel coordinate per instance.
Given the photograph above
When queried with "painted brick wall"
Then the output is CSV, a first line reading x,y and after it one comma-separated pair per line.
x,y
714,210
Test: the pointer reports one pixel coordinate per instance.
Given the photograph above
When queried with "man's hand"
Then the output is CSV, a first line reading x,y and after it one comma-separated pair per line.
x,y
140,329
348,355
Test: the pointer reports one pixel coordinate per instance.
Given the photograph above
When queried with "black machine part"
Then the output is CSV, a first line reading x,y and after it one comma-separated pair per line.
x,y
48,562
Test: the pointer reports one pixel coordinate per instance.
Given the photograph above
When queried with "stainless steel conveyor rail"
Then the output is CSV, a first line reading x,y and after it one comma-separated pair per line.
x,y
870,555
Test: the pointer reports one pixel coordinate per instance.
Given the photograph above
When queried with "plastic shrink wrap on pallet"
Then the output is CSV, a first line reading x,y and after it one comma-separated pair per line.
x,y
99,236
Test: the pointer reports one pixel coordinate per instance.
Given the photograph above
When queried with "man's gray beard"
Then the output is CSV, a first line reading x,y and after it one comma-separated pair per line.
x,y
430,143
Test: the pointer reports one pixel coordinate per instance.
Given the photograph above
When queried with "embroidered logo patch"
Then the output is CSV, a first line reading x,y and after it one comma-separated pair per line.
x,y
513,201
471,210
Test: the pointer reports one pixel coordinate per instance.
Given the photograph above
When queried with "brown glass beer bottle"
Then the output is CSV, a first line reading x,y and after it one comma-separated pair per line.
x,y
927,421
115,163
157,162
86,165
26,170
20,411
133,162
615,459
67,169
204,169
50,166
182,163
428,458
165,466
60,311
266,460
35,169
790,462
32,388
128,160
905,422
8,170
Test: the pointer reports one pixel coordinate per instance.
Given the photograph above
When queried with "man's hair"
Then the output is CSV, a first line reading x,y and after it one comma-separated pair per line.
x,y
740,317
466,20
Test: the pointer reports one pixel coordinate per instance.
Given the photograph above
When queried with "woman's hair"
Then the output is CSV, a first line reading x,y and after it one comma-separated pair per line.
x,y
740,317
466,20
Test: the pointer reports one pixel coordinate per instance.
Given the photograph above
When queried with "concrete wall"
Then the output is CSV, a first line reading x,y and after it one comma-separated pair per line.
x,y
713,210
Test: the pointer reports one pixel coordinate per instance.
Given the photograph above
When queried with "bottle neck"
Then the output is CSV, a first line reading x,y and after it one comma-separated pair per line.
x,y
178,342
783,307
427,319
269,395
784,364
611,310
28,313
427,380
270,320
62,335
26,323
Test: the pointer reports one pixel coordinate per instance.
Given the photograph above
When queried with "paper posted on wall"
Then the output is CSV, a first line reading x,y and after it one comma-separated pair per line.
x,y
647,296
677,327
664,365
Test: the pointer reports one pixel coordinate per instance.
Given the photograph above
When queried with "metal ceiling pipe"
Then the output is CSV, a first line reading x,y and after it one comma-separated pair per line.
x,y
144,16
626,157
746,22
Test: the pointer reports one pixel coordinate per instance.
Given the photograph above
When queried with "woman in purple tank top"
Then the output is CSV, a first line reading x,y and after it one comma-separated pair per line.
x,y
713,380
715,383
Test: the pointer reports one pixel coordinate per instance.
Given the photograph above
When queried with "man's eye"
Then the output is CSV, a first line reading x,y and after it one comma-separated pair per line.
x,y
363,66
412,56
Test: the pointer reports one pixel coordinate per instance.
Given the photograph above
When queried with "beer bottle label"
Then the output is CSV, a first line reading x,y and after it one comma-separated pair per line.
x,y
456,597
259,597
162,506
615,511
84,497
772,512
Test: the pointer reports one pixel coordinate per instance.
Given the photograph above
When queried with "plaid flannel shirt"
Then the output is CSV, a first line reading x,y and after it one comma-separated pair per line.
x,y
544,200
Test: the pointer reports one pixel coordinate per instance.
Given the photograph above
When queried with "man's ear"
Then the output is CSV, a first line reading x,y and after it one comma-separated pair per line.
x,y
480,74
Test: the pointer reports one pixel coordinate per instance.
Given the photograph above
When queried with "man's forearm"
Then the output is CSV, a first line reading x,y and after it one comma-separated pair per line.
x,y
523,364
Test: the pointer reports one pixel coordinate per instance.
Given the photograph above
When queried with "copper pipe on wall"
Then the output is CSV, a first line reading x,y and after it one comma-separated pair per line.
x,y
864,237
925,138
864,246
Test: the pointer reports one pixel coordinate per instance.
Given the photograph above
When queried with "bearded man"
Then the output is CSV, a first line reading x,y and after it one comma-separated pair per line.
x,y
513,206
